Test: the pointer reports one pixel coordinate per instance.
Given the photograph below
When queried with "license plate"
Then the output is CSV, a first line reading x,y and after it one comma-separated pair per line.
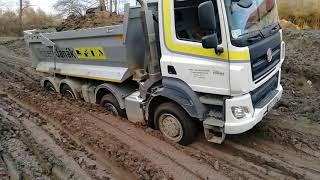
x,y
272,104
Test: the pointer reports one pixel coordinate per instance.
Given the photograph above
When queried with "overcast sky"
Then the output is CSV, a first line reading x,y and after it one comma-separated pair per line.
x,y
46,5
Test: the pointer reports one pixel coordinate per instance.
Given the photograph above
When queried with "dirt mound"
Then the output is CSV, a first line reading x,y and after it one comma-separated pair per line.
x,y
301,75
288,25
90,20
15,46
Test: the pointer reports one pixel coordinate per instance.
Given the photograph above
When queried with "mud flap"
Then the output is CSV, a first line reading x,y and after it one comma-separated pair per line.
x,y
214,130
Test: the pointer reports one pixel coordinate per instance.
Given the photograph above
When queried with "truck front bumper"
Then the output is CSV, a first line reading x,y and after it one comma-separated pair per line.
x,y
255,114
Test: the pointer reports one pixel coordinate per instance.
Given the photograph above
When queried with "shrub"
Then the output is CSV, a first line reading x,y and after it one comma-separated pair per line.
x,y
32,19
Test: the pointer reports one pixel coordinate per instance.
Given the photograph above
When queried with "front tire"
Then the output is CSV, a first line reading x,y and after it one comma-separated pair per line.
x,y
175,124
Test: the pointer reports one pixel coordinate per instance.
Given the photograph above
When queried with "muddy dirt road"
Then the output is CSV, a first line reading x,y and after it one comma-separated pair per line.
x,y
46,136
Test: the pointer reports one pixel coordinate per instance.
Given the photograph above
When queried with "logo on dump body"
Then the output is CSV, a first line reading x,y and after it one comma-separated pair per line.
x,y
90,53
269,55
85,53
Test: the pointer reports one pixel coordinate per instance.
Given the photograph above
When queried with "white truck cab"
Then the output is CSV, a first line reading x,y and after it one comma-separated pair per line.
x,y
173,65
246,69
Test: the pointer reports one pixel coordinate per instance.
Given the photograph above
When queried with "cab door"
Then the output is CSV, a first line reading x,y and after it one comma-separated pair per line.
x,y
183,56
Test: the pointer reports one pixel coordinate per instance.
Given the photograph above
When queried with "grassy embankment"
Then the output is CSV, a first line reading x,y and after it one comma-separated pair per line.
x,y
304,13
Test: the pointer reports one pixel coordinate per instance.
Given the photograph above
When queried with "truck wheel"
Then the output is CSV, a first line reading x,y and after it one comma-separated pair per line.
x,y
175,124
49,86
67,91
111,104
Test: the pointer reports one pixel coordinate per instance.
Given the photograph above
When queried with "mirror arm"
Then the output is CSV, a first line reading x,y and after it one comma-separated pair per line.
x,y
219,50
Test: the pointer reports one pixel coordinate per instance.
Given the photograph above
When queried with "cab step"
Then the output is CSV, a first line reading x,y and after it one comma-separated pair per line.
x,y
214,130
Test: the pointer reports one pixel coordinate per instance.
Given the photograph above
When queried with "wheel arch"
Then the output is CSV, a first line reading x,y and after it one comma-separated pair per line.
x,y
52,80
73,84
151,108
179,92
119,91
100,92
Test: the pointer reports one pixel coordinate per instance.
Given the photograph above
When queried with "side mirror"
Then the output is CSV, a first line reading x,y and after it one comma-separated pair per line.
x,y
207,17
207,20
211,41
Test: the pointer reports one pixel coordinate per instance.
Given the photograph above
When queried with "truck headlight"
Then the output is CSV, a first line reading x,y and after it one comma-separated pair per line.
x,y
240,112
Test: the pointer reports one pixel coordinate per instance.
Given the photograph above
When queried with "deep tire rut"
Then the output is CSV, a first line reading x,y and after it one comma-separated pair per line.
x,y
29,152
161,154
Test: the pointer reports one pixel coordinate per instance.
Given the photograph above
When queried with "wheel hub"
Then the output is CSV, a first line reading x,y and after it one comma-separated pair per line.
x,y
171,127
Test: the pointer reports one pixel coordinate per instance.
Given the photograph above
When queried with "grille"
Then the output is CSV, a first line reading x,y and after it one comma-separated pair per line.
x,y
262,94
259,59
261,66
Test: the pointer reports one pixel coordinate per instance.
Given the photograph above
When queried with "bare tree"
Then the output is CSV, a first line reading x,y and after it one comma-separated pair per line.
x,y
78,7
110,4
102,5
20,17
116,6
22,5
113,6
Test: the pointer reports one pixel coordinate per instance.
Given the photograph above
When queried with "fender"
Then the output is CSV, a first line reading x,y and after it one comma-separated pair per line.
x,y
119,91
181,93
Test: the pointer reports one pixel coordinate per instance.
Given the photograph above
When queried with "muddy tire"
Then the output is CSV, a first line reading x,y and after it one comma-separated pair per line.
x,y
67,91
175,124
49,86
110,102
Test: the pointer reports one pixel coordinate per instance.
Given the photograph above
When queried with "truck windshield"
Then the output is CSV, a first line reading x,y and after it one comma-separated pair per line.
x,y
251,21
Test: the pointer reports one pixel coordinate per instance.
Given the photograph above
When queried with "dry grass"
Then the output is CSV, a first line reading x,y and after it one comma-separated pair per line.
x,y
304,13
32,19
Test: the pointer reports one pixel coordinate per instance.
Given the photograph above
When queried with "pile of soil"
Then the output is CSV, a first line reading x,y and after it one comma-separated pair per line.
x,y
90,20
15,46
288,25
301,75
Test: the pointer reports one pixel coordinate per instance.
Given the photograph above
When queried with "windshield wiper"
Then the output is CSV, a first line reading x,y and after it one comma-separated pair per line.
x,y
250,34
270,29
275,28
255,38
250,37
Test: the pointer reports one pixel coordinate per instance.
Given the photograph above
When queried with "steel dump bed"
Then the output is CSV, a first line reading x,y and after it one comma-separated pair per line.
x,y
111,53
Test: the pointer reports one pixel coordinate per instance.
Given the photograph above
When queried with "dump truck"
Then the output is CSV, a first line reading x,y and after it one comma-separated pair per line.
x,y
179,66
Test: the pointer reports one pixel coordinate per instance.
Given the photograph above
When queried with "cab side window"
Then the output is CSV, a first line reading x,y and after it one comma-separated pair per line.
x,y
187,22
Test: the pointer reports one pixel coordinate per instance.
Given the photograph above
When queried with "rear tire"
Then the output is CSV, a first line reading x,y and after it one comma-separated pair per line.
x,y
110,102
175,124
67,91
49,86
